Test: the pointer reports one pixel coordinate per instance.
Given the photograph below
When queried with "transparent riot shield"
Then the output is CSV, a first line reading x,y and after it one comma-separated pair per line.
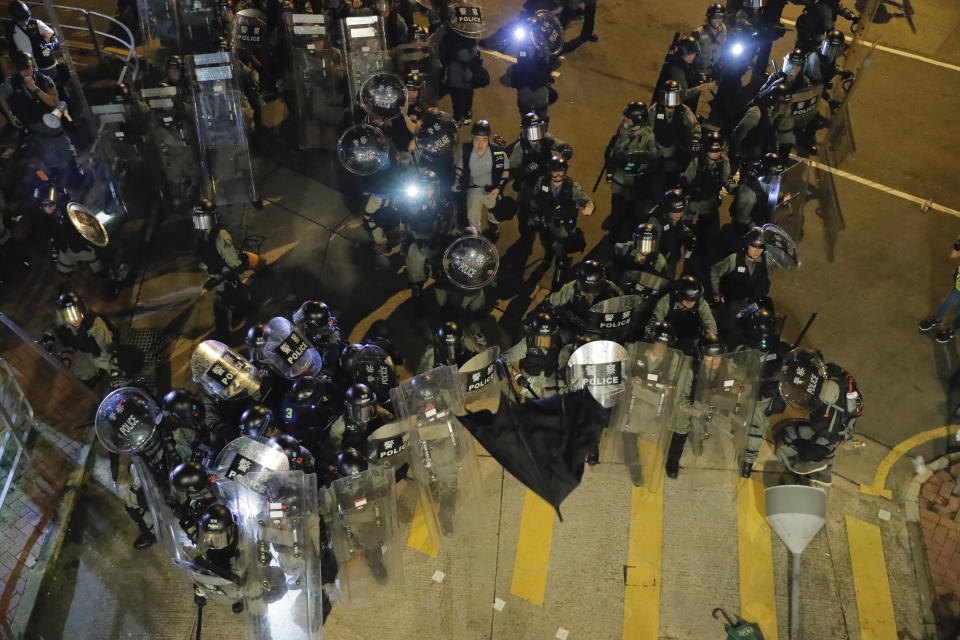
x,y
174,138
360,513
388,445
805,105
161,33
277,520
200,25
614,318
319,79
787,198
365,50
421,57
601,367
546,32
444,458
221,131
781,247
248,455
126,154
648,287
640,439
223,373
482,380
724,397
467,19
287,352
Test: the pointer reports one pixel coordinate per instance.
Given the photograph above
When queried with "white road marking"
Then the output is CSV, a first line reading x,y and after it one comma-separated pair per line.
x,y
923,202
503,56
899,52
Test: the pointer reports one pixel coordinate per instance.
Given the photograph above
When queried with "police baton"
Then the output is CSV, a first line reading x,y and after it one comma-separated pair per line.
x,y
603,169
803,332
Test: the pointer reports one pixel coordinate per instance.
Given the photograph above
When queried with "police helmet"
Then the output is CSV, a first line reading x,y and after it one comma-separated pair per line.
x,y
256,421
670,94
713,142
832,44
645,238
689,288
675,200
533,126
448,341
313,316
22,61
662,332
480,128
793,62
361,403
19,11
559,163
204,215
688,45
414,81
291,449
70,308
591,276
174,62
189,478
184,406
754,238
218,530
350,462
542,333
636,112
255,339
716,10
780,94
772,165
710,345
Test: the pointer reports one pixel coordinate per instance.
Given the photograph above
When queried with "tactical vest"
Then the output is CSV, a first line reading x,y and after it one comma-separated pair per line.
x,y
761,206
547,203
27,107
535,157
208,254
740,284
685,321
762,138
498,167
706,183
43,56
79,339
667,132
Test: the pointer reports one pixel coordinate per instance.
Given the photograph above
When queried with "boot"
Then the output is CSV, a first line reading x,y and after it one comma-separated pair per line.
x,y
674,453
146,538
746,468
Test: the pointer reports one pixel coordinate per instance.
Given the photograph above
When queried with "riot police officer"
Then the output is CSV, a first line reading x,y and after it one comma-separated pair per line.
x,y
821,65
765,27
468,304
258,420
362,416
531,77
571,304
674,229
308,410
448,349
298,457
744,275
630,155
428,220
321,328
681,68
766,127
687,311
819,17
752,205
217,541
482,172
88,334
703,179
677,134
530,159
191,487
187,414
534,361
223,262
712,38
558,202
640,255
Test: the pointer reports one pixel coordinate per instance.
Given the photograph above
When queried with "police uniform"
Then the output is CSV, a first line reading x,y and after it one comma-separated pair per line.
x,y
220,258
677,133
761,131
688,323
751,206
632,153
427,224
529,161
556,208
712,45
572,307
50,147
702,181
68,248
675,239
541,370
92,343
736,277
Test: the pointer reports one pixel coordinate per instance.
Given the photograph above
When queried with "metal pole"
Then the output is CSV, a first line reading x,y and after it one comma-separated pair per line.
x,y
795,599
93,35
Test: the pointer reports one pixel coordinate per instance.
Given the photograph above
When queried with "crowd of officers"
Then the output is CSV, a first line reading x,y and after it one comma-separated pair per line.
x,y
703,281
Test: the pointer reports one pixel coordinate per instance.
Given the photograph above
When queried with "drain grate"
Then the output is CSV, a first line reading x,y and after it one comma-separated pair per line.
x,y
151,342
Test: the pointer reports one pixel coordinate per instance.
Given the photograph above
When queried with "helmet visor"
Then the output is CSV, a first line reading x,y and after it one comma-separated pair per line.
x,y
671,98
645,244
213,540
202,221
535,131
363,413
830,50
73,314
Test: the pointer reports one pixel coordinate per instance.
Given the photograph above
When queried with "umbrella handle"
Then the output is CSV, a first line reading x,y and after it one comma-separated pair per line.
x,y
724,615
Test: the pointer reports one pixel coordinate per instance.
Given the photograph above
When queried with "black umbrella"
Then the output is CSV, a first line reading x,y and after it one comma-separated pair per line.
x,y
543,443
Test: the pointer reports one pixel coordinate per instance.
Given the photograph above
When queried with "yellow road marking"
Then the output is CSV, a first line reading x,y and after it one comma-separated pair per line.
x,y
757,593
419,536
641,597
533,549
381,312
880,477
870,581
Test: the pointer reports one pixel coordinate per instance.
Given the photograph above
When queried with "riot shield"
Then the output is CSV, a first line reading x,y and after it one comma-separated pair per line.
x,y
360,512
173,137
319,80
436,138
601,367
365,50
805,105
466,19
248,455
444,461
199,25
388,445
482,381
647,286
471,262
222,373
723,400
161,33
787,197
276,515
287,352
363,149
124,146
781,247
546,33
383,94
221,130
802,374
615,318
421,57
640,438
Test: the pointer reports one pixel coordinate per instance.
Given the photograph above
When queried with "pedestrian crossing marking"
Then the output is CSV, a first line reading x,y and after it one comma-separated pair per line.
x,y
870,581
532,559
755,551
641,597
419,536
